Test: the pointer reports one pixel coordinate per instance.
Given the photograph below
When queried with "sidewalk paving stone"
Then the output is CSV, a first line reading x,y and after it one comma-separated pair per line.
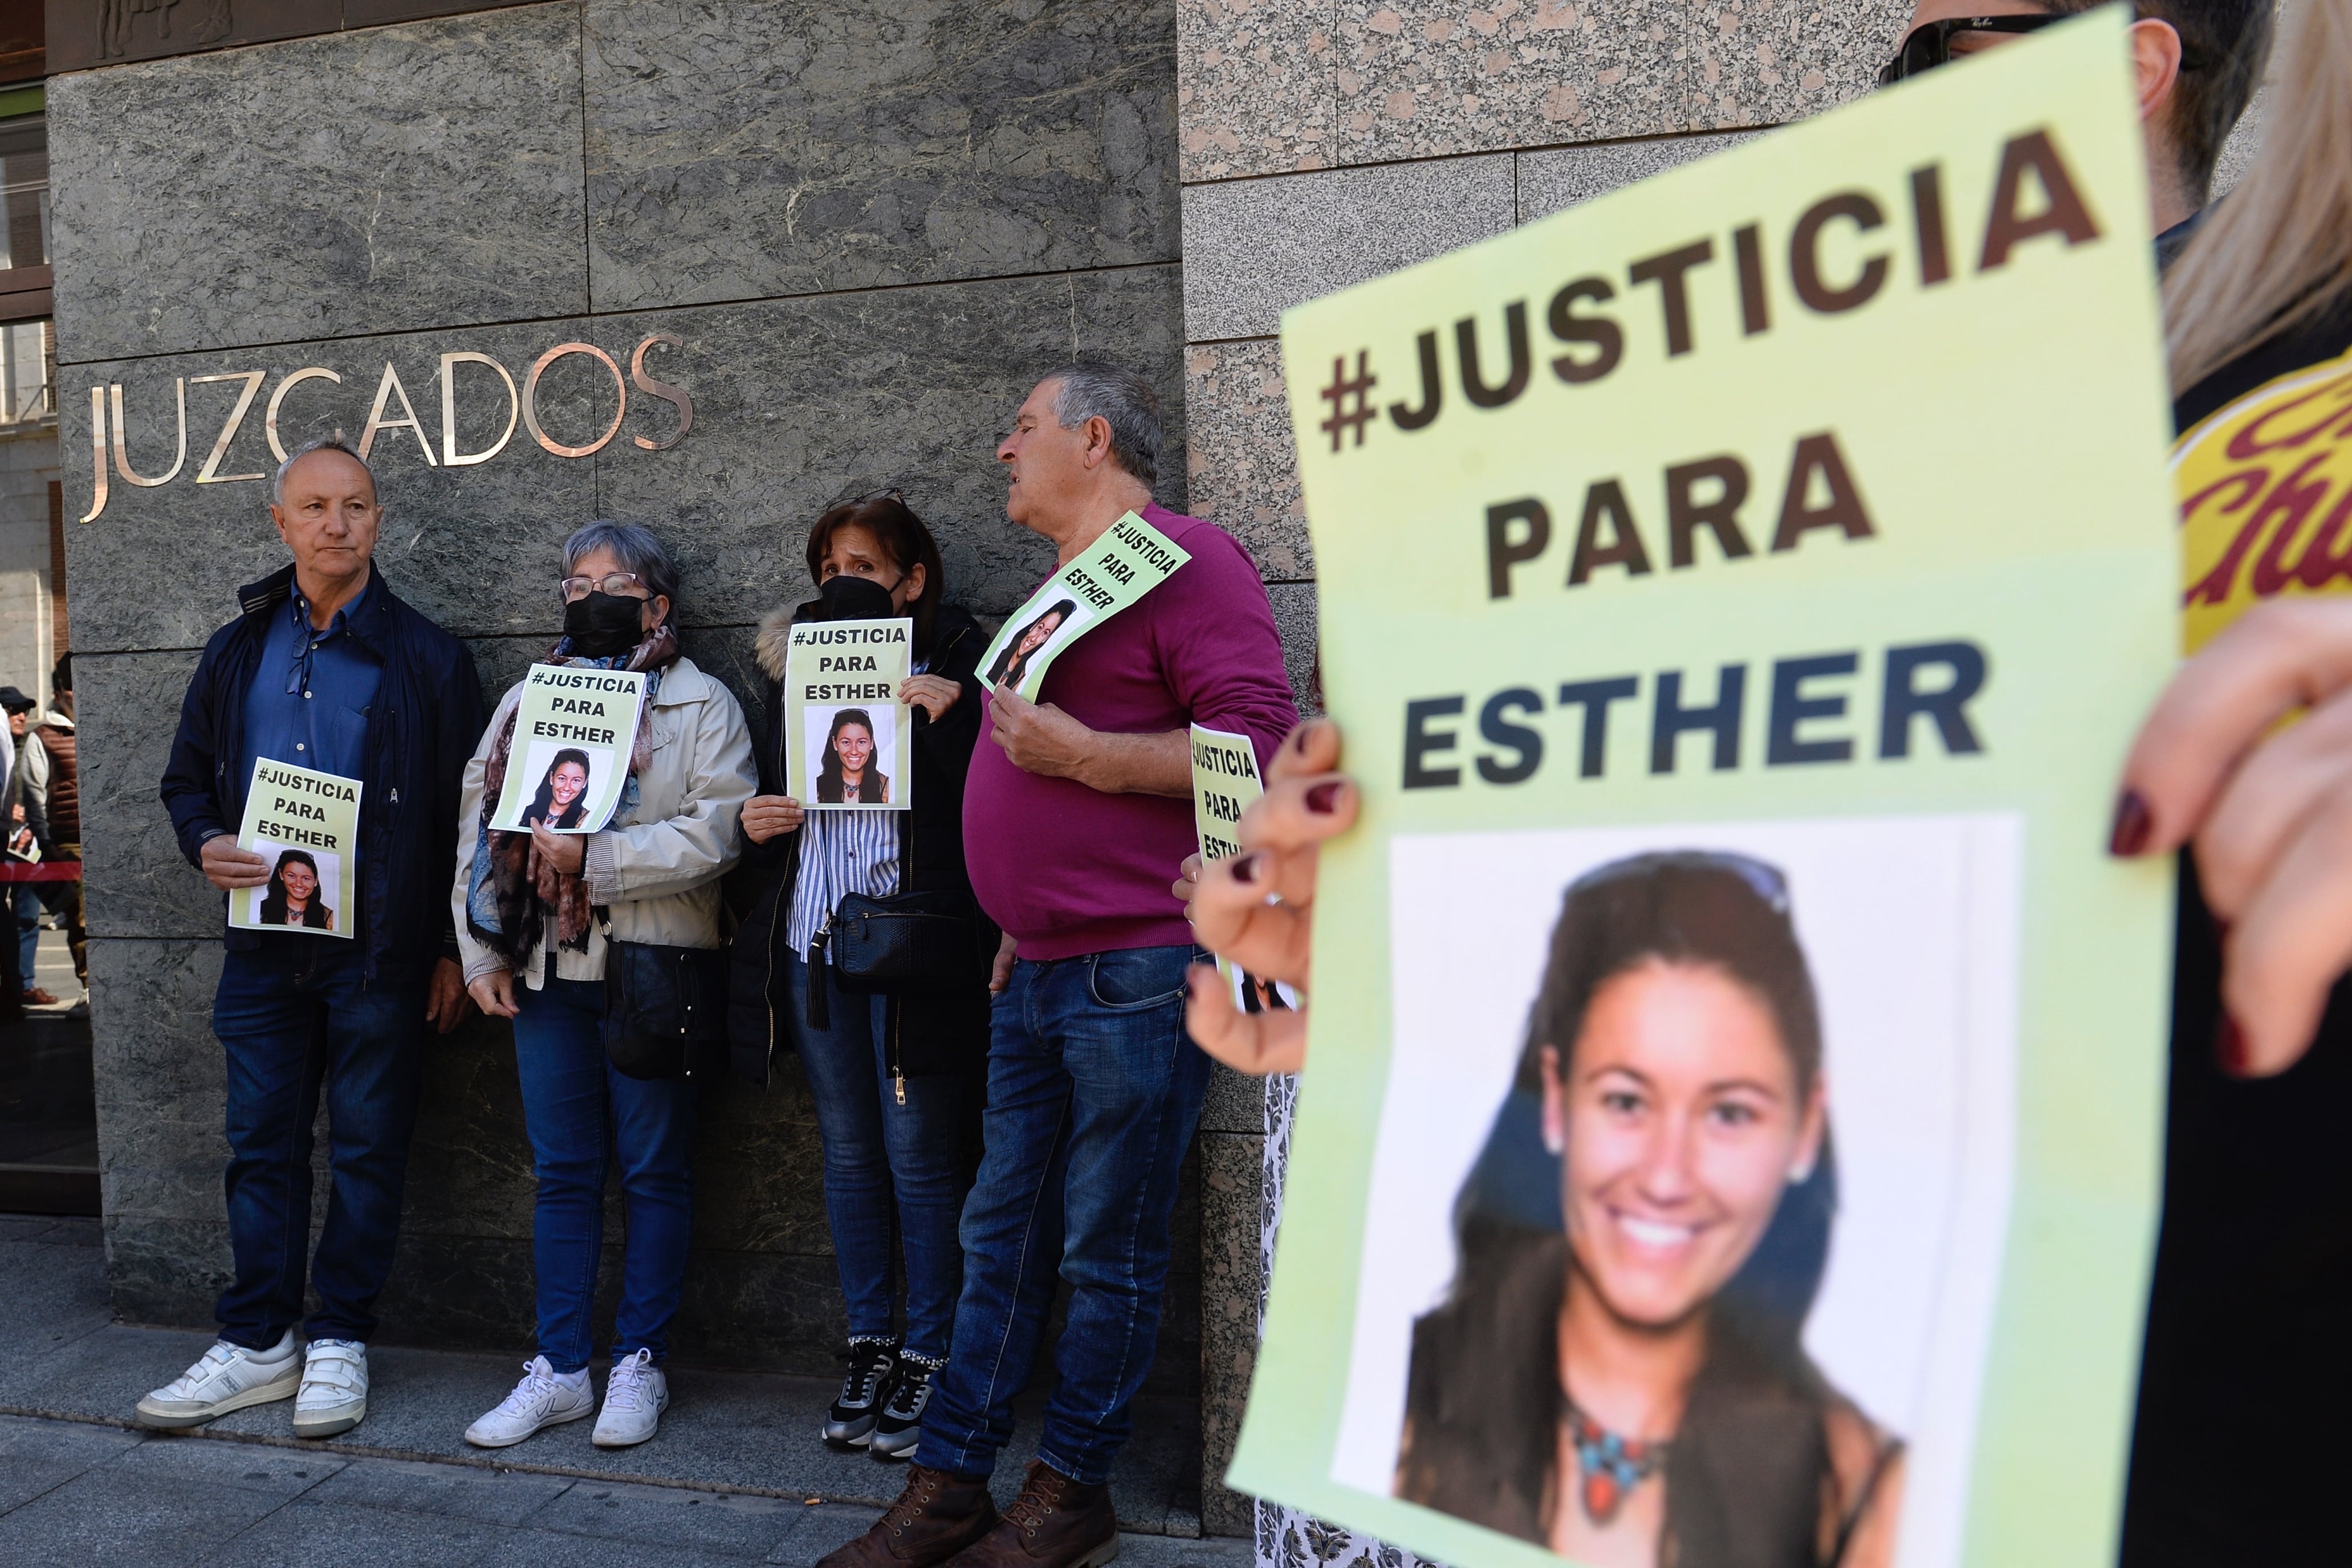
x,y
737,1473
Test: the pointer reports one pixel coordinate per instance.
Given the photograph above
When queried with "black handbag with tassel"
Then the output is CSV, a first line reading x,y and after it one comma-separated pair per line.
x,y
905,943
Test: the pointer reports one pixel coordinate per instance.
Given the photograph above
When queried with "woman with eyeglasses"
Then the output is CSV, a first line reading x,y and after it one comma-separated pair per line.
x,y
894,1078
537,913
1616,1372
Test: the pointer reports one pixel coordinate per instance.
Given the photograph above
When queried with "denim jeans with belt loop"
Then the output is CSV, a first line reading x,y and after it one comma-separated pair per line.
x,y
296,1018
1094,1091
581,1112
886,1158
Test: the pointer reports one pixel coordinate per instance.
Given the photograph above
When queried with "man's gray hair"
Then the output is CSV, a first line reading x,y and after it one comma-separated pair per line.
x,y
1123,400
635,546
334,442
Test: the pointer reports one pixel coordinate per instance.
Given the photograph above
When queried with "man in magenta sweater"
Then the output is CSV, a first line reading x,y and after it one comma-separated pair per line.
x,y
1076,820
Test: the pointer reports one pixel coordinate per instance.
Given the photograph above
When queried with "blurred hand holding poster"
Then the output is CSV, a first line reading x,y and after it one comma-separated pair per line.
x,y
1117,570
307,826
1732,1118
1224,781
574,731
846,740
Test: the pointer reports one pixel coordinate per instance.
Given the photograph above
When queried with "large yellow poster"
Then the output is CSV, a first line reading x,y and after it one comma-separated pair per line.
x,y
1732,1115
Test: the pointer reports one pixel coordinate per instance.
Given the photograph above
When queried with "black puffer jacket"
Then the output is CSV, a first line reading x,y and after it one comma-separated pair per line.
x,y
928,1034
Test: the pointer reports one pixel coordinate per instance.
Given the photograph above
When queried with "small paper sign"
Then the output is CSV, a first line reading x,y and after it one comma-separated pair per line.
x,y
307,826
1225,782
571,738
1117,570
847,746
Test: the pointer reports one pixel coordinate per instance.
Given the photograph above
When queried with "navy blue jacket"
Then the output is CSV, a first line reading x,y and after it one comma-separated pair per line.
x,y
421,731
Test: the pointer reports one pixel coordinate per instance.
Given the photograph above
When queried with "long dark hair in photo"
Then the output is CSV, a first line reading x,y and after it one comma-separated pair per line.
x,y
1748,1473
316,915
544,803
875,786
1014,662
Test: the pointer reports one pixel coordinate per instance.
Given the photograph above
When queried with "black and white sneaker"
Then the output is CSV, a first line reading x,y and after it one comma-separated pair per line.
x,y
851,1420
900,1425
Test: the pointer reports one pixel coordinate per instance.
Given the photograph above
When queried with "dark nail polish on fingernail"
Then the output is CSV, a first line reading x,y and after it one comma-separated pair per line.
x,y
2133,825
1246,868
1323,796
2230,1046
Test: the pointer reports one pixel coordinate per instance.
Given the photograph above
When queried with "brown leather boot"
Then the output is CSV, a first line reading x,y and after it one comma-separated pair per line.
x,y
1055,1522
935,1518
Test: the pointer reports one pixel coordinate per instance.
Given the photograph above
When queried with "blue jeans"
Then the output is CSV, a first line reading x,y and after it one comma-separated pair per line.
x,y
579,1111
1094,1091
875,1149
291,1016
28,929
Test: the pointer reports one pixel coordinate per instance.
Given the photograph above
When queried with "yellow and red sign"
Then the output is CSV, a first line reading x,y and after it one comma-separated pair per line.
x,y
2265,488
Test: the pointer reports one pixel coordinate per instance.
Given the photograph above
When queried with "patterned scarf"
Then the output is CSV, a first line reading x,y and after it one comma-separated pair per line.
x,y
513,889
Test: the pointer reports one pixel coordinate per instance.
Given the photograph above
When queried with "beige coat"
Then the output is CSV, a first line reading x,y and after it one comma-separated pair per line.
x,y
655,868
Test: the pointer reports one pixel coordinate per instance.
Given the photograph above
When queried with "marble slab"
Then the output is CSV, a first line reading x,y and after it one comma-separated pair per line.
x,y
801,403
210,201
135,882
470,545
1555,178
741,150
1253,248
1244,465
1257,87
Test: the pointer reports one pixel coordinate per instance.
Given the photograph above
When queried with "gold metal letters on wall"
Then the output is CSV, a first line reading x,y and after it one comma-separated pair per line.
x,y
391,414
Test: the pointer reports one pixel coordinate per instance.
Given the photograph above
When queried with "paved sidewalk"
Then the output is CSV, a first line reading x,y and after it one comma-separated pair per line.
x,y
79,1495
736,1474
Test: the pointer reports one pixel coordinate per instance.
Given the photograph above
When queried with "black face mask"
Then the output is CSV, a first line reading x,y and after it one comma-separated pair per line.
x,y
847,598
605,624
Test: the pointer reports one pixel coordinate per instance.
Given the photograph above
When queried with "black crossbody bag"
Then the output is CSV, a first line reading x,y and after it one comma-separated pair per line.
x,y
664,1008
909,944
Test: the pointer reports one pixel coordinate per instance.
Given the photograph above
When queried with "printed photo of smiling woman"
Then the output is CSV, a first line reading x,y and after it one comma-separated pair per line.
x,y
1616,1372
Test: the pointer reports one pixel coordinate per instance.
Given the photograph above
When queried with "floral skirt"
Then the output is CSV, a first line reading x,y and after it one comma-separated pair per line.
x,y
1285,1537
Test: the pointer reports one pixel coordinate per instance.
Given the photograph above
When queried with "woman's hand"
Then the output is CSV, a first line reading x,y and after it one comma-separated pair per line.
x,y
2268,811
933,694
766,817
494,993
567,852
999,973
1257,910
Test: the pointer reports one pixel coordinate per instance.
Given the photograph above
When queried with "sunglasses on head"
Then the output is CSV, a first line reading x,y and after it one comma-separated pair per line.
x,y
1930,45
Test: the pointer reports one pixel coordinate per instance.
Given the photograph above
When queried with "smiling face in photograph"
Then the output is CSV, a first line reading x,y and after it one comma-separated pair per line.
x,y
1682,1121
565,784
300,881
1039,634
855,743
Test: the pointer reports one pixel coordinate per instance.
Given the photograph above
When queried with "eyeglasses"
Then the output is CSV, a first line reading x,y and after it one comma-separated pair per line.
x,y
1930,44
612,582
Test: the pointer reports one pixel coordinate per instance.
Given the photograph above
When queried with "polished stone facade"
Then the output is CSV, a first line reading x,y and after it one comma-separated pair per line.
x,y
868,230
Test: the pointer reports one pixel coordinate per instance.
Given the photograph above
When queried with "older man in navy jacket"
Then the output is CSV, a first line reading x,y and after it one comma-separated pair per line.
x,y
326,669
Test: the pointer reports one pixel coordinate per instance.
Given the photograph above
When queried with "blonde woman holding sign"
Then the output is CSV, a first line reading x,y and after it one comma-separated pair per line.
x,y
546,918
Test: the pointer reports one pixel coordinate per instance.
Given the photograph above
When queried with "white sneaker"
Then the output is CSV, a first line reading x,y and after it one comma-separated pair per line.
x,y
333,1399
224,1378
634,1397
545,1397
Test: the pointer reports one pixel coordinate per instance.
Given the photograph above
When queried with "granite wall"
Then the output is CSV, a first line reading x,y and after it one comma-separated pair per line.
x,y
1325,143
852,234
